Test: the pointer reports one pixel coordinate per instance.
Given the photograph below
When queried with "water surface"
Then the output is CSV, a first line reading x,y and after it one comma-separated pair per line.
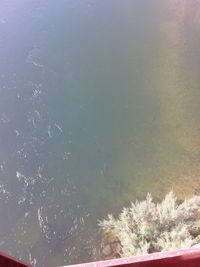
x,y
99,104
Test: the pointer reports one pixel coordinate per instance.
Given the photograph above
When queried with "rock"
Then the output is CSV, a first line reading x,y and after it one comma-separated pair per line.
x,y
116,248
107,250
110,246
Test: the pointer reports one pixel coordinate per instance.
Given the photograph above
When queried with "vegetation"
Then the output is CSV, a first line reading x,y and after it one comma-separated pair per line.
x,y
147,227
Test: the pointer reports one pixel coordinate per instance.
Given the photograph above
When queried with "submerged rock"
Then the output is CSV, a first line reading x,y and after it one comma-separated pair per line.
x,y
110,246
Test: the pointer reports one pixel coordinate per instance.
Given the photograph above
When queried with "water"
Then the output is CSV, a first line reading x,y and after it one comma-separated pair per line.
x,y
99,104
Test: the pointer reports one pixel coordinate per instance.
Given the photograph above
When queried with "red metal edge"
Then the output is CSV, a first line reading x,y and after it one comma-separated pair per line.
x,y
8,261
178,258
184,258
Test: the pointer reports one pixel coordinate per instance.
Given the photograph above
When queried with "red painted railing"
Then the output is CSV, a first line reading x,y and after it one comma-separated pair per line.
x,y
7,261
178,258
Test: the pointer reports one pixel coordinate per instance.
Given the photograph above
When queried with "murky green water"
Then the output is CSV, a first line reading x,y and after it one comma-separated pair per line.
x,y
99,104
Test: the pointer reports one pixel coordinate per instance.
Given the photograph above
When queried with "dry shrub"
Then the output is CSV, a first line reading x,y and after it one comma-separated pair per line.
x,y
147,227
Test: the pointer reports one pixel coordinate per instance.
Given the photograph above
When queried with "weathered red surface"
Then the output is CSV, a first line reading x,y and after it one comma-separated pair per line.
x,y
178,258
7,261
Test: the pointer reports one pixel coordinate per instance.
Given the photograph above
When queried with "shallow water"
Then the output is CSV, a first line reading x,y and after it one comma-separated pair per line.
x,y
99,104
